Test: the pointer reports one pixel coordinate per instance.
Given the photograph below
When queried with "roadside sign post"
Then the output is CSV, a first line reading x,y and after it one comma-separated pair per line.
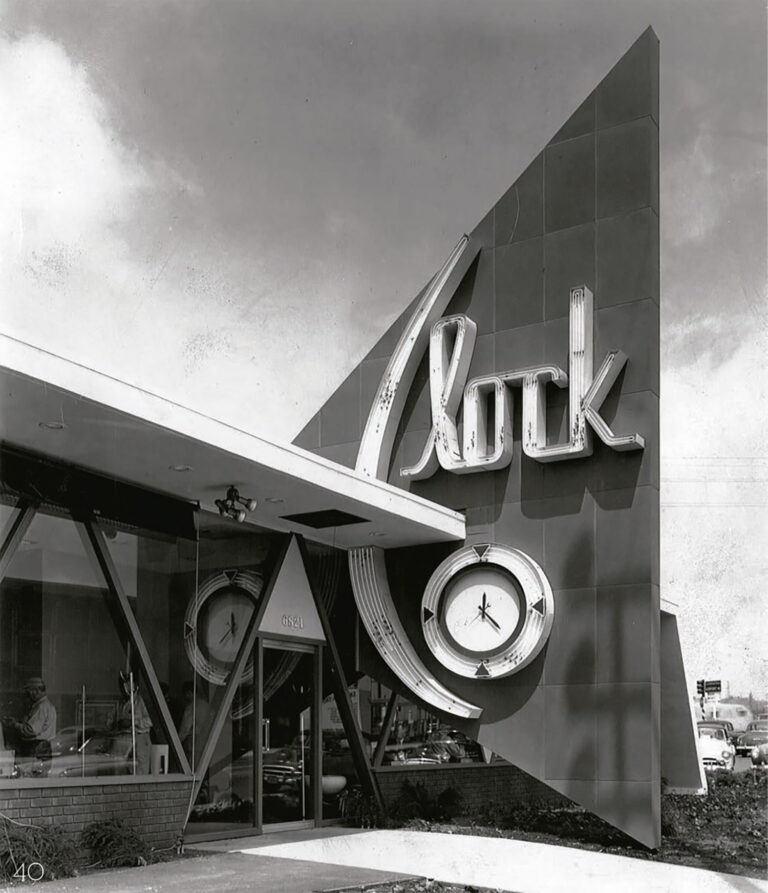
x,y
709,692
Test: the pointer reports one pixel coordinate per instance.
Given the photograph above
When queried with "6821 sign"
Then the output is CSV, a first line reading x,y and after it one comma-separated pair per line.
x,y
293,621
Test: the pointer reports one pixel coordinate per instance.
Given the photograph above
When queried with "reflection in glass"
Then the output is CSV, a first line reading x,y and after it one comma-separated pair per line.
x,y
157,573
8,514
226,798
415,736
287,744
61,659
339,775
234,561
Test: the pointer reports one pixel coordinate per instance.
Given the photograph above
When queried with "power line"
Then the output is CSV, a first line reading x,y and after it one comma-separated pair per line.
x,y
715,505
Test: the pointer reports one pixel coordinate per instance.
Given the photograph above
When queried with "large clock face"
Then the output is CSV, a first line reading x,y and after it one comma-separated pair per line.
x,y
216,621
487,611
222,622
480,610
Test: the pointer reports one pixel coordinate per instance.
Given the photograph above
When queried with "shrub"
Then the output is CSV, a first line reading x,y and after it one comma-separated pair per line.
x,y
415,802
23,846
448,804
360,809
113,843
566,821
673,822
733,800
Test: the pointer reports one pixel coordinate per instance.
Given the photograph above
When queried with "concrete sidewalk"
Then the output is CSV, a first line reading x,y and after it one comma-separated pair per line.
x,y
509,865
219,873
231,873
329,858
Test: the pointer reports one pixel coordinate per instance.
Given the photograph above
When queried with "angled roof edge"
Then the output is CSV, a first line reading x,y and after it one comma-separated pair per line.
x,y
319,472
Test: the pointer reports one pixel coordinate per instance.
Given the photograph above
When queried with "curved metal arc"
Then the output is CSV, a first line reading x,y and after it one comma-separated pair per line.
x,y
368,572
369,580
375,449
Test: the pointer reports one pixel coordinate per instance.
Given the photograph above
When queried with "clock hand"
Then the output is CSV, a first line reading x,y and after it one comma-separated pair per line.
x,y
230,628
488,617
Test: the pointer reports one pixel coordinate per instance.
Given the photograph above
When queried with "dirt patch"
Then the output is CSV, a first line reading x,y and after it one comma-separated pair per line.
x,y
414,885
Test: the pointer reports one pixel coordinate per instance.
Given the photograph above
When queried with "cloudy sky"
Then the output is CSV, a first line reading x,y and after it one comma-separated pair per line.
x,y
228,202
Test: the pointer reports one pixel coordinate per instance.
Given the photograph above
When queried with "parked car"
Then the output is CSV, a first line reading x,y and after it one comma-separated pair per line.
x,y
723,724
716,750
755,735
101,754
453,746
759,755
738,714
282,773
443,745
412,754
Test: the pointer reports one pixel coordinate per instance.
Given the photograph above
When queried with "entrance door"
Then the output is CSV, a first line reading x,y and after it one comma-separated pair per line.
x,y
290,688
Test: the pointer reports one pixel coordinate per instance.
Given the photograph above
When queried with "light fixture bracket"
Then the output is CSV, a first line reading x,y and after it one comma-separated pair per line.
x,y
229,506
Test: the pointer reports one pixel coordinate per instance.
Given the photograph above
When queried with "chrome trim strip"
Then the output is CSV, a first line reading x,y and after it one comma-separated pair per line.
x,y
374,601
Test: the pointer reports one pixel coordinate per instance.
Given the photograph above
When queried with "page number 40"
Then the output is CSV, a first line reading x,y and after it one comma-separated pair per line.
x,y
32,872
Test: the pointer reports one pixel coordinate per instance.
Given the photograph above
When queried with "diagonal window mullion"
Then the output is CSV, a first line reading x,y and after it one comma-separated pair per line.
x,y
386,729
16,534
340,689
96,547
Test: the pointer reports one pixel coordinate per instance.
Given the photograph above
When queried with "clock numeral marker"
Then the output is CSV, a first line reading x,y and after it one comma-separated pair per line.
x,y
481,550
188,629
230,575
539,606
482,670
428,615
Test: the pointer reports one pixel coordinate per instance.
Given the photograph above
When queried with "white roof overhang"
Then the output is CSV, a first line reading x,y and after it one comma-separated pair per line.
x,y
123,431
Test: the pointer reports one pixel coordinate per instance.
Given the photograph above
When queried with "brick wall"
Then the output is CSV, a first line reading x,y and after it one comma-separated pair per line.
x,y
480,785
156,809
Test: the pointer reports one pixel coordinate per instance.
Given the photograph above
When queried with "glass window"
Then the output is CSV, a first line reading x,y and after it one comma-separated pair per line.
x,y
339,774
234,563
158,574
66,710
8,513
287,745
416,736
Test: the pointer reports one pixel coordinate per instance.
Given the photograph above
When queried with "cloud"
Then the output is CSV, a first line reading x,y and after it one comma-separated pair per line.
x,y
704,181
714,404
713,572
714,495
64,174
68,187
107,257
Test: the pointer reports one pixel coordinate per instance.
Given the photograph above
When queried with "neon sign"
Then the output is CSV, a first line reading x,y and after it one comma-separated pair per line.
x,y
487,442
487,400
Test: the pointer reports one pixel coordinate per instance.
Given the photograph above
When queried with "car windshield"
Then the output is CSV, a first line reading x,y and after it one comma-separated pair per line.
x,y
712,733
759,726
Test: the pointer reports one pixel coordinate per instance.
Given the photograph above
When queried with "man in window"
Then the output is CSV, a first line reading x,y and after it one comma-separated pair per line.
x,y
33,733
131,725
